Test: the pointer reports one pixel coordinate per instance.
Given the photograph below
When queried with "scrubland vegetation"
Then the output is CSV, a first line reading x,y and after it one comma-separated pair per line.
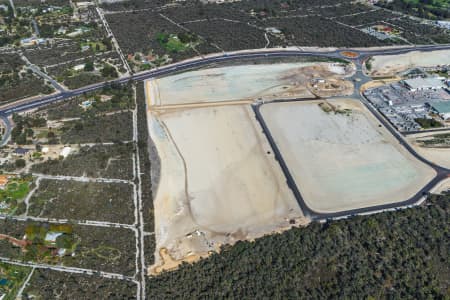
x,y
401,254
327,23
107,161
47,284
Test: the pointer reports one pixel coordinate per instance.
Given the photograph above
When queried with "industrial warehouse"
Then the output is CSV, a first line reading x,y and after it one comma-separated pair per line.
x,y
442,109
413,104
428,83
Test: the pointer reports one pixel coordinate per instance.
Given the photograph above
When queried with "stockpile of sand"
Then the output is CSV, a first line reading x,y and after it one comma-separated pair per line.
x,y
244,82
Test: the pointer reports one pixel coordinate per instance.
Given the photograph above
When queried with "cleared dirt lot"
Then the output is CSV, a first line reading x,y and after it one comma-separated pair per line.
x,y
219,182
343,161
389,65
247,82
438,154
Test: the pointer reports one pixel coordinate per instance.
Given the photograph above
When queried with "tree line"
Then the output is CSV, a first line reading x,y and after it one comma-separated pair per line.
x,y
400,254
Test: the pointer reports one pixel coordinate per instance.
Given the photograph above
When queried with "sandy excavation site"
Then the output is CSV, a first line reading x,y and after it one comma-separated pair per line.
x,y
343,160
251,82
219,181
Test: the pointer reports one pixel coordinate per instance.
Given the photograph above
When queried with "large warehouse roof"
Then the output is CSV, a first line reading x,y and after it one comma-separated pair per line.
x,y
442,107
424,83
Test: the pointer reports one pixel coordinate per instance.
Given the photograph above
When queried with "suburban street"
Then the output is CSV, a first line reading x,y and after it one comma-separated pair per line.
x,y
67,269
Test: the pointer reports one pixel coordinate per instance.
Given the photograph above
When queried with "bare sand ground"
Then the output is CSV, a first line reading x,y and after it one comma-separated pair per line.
x,y
219,182
442,186
439,156
378,83
343,161
389,65
244,82
331,87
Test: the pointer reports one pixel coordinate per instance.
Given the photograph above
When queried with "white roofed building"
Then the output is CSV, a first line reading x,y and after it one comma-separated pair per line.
x,y
420,83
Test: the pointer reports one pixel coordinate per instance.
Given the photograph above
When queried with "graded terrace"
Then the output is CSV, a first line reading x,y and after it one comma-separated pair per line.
x,y
340,157
219,181
217,186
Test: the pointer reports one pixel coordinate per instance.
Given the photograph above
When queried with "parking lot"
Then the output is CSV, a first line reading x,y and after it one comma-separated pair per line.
x,y
402,106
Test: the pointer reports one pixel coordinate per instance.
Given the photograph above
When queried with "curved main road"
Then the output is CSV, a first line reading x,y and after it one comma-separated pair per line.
x,y
202,61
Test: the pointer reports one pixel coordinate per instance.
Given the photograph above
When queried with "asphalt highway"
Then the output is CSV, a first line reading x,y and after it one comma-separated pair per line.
x,y
198,62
